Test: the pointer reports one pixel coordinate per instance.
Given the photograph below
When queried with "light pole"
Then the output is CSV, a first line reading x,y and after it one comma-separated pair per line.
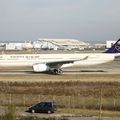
x,y
100,105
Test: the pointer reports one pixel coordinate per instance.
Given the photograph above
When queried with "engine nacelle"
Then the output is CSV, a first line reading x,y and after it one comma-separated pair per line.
x,y
40,68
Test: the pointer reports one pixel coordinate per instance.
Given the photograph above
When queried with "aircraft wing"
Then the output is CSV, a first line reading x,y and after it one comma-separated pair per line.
x,y
54,66
58,64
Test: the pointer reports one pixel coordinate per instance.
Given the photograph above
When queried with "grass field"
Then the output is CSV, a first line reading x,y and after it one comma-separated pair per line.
x,y
57,78
86,112
76,93
69,94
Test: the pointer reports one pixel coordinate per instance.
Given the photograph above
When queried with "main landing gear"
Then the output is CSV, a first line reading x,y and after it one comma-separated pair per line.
x,y
56,71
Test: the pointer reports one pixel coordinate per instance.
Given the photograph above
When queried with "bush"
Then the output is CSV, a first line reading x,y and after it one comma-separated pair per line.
x,y
10,113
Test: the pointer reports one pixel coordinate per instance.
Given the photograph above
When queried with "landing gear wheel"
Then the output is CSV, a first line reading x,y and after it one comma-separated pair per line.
x,y
58,71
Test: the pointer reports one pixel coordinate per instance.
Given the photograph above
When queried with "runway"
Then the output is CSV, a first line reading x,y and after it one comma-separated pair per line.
x,y
107,68
104,72
92,71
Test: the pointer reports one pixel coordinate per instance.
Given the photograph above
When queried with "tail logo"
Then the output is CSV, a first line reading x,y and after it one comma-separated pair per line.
x,y
118,46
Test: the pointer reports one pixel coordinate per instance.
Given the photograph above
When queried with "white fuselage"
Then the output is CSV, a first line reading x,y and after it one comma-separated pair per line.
x,y
32,59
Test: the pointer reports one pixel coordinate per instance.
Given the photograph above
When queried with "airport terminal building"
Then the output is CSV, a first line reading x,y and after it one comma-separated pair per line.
x,y
61,44
53,44
45,44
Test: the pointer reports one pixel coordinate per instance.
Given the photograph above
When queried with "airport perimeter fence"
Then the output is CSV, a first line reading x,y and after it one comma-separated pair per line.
x,y
62,101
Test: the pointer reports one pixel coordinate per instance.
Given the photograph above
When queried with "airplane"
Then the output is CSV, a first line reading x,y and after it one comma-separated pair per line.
x,y
53,63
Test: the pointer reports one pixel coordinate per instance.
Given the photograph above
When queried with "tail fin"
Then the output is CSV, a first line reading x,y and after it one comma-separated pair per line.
x,y
115,48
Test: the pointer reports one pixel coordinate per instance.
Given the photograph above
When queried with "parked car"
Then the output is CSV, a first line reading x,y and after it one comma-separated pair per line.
x,y
43,107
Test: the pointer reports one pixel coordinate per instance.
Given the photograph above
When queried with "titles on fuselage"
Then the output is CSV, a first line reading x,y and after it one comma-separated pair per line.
x,y
10,57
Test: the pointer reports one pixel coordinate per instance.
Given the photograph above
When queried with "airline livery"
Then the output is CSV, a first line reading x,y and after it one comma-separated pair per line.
x,y
54,63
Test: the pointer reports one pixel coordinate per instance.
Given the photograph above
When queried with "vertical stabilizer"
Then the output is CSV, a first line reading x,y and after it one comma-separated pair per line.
x,y
115,48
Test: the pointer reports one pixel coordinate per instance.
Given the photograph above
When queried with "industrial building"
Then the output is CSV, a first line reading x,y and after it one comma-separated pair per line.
x,y
46,44
54,44
13,46
18,46
64,44
100,46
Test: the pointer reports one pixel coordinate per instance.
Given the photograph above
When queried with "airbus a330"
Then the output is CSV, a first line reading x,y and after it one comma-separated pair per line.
x,y
54,63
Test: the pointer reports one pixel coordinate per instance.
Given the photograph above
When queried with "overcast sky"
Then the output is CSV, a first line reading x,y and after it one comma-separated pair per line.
x,y
86,20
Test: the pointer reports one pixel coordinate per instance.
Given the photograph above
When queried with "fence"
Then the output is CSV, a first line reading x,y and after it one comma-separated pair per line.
x,y
62,101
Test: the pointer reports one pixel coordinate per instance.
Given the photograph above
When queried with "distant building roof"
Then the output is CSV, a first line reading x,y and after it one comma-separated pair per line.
x,y
64,42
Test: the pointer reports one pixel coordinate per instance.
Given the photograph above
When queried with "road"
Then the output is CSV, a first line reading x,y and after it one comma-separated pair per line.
x,y
56,115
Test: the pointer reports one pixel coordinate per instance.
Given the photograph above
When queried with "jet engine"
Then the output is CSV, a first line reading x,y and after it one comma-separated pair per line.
x,y
40,68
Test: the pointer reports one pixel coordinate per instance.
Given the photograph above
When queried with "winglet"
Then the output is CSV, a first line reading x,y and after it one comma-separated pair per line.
x,y
115,48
